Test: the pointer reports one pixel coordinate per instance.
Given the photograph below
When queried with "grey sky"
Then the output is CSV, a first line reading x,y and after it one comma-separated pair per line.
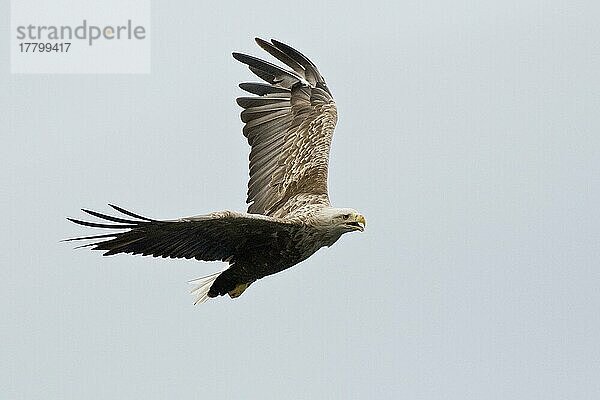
x,y
468,137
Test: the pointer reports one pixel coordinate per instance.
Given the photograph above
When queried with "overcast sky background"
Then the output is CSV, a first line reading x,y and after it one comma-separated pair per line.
x,y
468,136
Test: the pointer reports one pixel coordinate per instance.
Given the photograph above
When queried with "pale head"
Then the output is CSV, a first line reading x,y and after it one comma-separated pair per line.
x,y
342,220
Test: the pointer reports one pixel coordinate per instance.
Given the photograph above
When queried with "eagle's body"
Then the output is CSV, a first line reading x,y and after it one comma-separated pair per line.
x,y
289,125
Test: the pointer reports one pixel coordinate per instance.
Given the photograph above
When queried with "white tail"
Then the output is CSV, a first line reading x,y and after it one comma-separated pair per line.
x,y
202,286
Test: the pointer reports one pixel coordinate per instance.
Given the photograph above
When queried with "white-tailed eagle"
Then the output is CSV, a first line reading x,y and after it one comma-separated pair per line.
x,y
289,123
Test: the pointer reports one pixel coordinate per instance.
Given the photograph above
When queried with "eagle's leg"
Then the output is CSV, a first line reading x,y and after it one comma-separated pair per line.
x,y
233,281
238,290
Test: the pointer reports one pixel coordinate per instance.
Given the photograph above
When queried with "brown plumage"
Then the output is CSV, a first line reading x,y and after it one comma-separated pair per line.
x,y
289,125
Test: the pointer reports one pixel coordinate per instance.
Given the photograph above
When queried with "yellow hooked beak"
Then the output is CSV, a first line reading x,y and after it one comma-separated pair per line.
x,y
362,222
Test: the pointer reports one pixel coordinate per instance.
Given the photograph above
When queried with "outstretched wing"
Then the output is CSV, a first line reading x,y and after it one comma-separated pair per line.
x,y
247,242
224,235
289,125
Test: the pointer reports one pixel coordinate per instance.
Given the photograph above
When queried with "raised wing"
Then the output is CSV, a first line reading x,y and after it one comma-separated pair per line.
x,y
289,125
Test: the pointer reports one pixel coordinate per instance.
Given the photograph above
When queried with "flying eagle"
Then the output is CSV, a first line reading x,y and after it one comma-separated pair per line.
x,y
289,124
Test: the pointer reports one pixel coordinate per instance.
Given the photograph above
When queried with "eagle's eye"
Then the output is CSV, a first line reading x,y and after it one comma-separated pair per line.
x,y
346,216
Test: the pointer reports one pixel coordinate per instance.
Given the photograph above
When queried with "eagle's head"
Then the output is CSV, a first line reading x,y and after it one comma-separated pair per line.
x,y
343,220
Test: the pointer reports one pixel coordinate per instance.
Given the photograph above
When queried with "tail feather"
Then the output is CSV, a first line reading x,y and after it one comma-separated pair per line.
x,y
201,286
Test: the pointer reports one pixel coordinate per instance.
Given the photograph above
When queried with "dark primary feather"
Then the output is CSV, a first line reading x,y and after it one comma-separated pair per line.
x,y
269,72
129,213
281,56
261,89
311,72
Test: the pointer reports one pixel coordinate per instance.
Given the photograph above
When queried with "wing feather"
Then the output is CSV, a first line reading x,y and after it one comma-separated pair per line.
x,y
251,102
289,127
271,73
223,235
262,89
